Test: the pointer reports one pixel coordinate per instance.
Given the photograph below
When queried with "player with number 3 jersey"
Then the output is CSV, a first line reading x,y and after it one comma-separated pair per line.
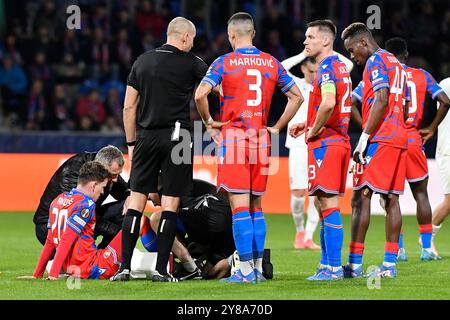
x,y
246,79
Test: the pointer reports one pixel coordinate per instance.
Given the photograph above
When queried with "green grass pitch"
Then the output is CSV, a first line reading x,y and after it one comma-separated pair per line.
x,y
19,251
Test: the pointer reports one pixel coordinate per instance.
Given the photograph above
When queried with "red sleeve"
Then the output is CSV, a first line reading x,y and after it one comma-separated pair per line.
x,y
62,251
46,253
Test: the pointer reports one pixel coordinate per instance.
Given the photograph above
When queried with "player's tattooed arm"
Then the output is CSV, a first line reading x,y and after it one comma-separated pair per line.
x,y
444,104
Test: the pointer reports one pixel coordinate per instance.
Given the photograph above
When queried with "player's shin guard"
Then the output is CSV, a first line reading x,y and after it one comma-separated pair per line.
x,y
259,237
130,233
166,235
426,231
148,236
390,253
323,257
400,240
243,238
334,235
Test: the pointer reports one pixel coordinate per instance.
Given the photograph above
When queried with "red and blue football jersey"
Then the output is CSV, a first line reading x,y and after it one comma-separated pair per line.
x,y
74,210
383,70
331,71
419,83
247,78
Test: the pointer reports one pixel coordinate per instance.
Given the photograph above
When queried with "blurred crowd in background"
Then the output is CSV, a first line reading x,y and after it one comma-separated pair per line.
x,y
53,78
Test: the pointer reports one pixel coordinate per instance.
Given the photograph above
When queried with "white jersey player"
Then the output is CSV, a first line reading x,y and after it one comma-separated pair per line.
x,y
298,155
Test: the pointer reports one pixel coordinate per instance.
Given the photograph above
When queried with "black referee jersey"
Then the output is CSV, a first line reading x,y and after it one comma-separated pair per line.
x,y
165,79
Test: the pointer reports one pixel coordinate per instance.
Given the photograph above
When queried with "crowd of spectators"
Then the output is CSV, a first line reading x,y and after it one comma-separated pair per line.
x,y
54,78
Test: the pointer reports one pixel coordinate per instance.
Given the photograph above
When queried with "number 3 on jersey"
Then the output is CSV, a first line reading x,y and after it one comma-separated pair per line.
x,y
255,86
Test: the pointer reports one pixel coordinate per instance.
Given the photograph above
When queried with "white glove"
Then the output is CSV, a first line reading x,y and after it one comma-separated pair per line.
x,y
361,147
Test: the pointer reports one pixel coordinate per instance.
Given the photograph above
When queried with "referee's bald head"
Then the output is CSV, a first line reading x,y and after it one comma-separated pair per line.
x,y
180,26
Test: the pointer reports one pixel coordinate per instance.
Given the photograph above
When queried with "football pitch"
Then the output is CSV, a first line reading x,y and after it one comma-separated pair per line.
x,y
19,251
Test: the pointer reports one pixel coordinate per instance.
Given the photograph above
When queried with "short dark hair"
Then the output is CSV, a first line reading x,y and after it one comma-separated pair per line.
x,y
324,25
354,29
240,16
93,171
396,46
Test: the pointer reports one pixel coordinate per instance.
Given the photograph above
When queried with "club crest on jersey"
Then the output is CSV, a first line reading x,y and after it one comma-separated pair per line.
x,y
106,254
356,180
85,213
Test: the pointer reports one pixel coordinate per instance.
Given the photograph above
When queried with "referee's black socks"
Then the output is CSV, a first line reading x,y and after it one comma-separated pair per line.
x,y
166,235
130,233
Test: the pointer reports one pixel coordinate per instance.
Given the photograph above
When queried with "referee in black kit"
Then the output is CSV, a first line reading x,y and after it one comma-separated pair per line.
x,y
159,90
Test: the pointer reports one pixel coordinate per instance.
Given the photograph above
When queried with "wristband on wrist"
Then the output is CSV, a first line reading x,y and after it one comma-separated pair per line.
x,y
132,143
365,136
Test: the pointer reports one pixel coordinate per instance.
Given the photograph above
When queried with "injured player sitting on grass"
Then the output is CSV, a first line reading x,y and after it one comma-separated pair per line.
x,y
70,236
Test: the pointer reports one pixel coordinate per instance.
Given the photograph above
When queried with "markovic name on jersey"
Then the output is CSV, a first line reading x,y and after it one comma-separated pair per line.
x,y
251,62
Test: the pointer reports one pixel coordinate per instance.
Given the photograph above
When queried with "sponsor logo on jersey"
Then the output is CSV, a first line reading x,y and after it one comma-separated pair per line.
x,y
325,77
247,114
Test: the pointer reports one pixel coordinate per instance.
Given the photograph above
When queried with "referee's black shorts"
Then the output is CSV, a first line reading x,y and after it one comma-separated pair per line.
x,y
152,153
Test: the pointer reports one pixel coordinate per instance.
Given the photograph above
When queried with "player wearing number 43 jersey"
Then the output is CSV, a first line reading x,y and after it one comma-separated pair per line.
x,y
328,143
419,83
381,150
